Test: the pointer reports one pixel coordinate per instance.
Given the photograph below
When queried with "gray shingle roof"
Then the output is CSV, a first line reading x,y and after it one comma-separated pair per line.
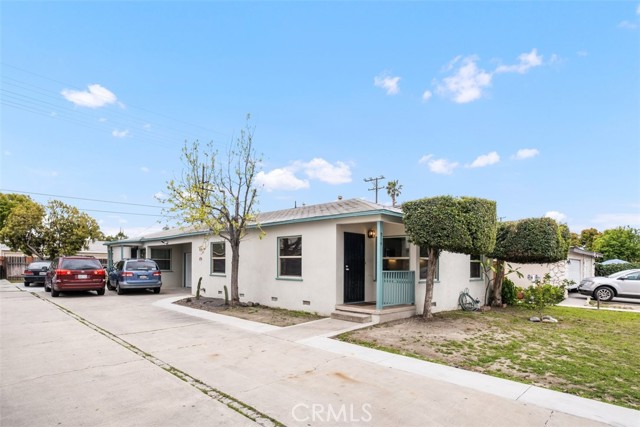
x,y
339,208
351,207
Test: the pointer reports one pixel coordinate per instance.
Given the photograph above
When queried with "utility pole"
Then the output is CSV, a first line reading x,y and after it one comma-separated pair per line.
x,y
375,186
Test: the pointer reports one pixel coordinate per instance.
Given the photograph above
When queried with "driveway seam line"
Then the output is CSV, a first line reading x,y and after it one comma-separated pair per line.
x,y
231,402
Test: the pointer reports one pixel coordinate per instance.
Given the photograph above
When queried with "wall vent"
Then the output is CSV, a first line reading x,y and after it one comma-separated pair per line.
x,y
306,302
241,295
433,304
274,298
219,292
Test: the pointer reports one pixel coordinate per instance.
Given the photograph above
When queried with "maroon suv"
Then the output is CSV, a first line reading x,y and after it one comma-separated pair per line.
x,y
75,273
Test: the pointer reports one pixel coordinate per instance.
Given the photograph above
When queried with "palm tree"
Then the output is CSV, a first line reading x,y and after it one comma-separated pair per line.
x,y
393,190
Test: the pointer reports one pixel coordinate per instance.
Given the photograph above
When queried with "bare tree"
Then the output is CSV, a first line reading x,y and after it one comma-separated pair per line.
x,y
218,197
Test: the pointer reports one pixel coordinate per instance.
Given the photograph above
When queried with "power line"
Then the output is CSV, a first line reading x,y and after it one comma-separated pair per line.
x,y
375,186
81,198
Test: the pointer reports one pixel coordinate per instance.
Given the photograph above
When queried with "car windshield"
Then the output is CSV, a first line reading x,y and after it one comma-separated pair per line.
x,y
81,264
141,265
620,274
38,265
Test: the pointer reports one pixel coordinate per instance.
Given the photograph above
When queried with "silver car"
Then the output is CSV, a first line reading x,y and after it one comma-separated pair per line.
x,y
624,284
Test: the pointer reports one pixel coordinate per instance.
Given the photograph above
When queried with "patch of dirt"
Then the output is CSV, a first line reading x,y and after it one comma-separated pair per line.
x,y
253,312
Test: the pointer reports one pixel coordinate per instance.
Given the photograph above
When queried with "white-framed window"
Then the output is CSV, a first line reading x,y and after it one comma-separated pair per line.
x,y
424,256
290,256
162,257
395,254
475,267
218,258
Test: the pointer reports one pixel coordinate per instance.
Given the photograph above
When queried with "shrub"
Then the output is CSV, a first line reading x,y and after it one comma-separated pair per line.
x,y
508,291
540,295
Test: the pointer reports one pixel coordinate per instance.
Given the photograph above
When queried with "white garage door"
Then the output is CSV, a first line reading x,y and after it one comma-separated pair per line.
x,y
574,269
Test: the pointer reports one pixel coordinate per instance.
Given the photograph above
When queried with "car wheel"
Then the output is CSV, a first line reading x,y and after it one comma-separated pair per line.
x,y
156,290
55,293
109,286
119,290
100,291
46,288
604,293
26,284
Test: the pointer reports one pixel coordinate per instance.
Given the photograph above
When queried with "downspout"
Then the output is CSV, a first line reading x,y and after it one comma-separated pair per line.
x,y
380,280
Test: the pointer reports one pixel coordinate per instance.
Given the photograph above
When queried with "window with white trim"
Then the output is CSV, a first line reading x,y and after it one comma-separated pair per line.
x,y
475,267
218,258
290,256
162,257
395,254
424,257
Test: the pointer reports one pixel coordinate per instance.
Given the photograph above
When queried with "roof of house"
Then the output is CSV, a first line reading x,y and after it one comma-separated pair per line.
x,y
304,213
583,251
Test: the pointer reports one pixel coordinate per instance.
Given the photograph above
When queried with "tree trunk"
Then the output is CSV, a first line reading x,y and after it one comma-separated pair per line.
x,y
496,299
235,263
432,262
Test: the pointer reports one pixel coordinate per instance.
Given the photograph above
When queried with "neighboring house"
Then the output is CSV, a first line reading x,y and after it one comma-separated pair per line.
x,y
579,264
350,255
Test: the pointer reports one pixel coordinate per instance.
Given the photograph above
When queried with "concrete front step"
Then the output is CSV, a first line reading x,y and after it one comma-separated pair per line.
x,y
351,317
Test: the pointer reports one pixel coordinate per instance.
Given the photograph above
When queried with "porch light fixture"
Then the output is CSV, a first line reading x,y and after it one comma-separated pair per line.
x,y
371,233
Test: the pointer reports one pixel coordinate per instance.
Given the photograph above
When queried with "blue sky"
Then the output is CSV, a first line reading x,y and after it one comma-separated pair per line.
x,y
535,105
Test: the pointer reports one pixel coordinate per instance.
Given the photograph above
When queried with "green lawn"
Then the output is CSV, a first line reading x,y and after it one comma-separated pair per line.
x,y
589,353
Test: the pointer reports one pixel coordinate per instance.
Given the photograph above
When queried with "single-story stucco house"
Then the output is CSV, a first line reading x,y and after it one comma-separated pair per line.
x,y
350,256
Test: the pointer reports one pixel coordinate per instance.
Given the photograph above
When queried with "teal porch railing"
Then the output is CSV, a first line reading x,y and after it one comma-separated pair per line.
x,y
398,287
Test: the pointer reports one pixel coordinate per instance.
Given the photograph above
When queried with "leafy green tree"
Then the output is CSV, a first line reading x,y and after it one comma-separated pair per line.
x,y
621,242
67,230
118,236
463,225
8,201
47,232
23,228
527,241
219,197
587,237
574,240
394,190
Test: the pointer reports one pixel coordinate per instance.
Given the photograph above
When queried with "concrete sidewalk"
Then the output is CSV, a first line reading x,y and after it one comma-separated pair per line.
x,y
294,375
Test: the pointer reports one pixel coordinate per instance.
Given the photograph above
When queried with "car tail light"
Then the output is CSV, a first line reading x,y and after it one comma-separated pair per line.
x,y
99,273
157,273
63,273
28,273
127,274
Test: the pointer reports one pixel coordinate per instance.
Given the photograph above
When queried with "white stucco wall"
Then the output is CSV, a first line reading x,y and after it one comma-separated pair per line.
x,y
558,271
454,278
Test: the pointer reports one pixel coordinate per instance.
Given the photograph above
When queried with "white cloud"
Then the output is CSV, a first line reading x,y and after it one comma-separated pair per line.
x,y
97,96
558,216
526,61
467,83
426,95
120,133
388,83
607,221
628,25
320,169
526,153
281,179
160,196
440,166
144,169
485,160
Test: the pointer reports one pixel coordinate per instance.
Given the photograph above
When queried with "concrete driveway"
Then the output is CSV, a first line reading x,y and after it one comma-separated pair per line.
x,y
128,360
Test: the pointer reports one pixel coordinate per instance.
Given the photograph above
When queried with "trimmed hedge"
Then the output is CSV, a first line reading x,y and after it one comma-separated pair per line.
x,y
532,241
605,270
462,225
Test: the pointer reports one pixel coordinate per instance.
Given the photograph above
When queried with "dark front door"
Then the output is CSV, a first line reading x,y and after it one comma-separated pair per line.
x,y
353,267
